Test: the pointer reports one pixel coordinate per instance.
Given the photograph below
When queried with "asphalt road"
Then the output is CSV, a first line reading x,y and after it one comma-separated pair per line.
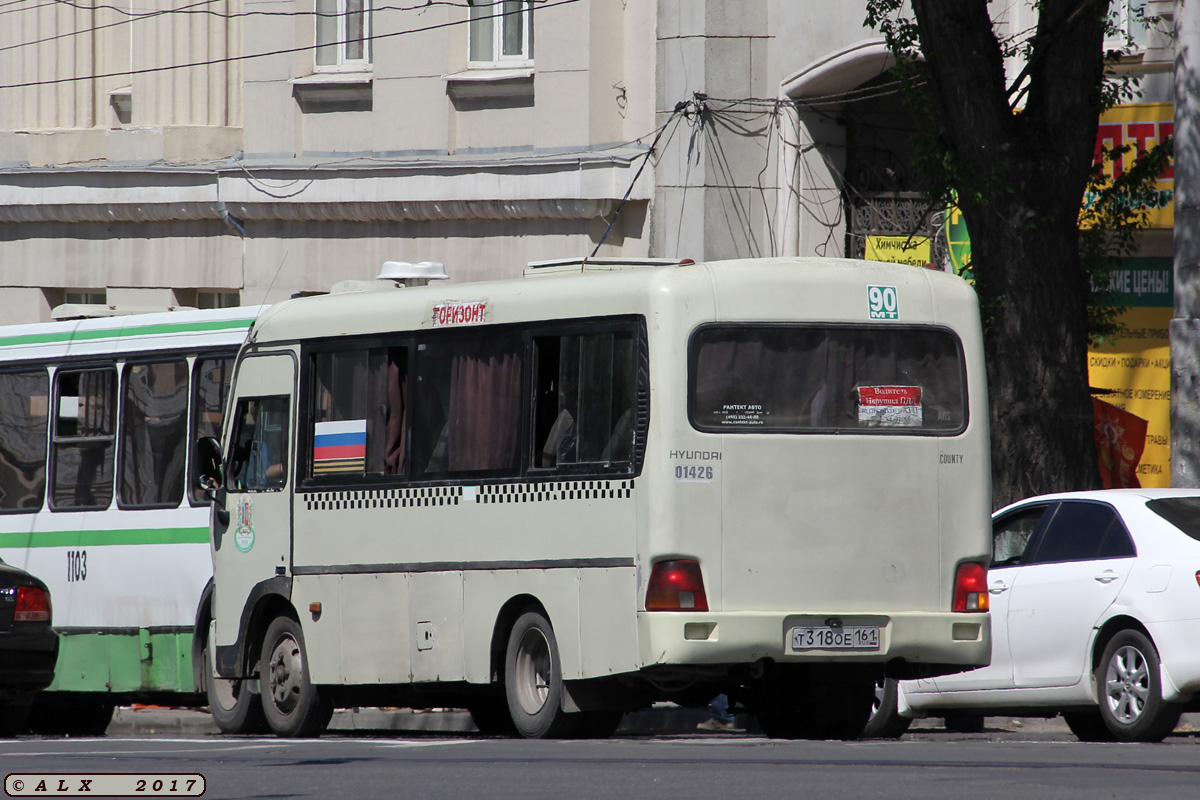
x,y
1011,759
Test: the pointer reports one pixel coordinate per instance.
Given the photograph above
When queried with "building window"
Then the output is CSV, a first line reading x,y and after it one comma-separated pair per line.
x,y
501,32
1128,19
218,299
86,297
343,34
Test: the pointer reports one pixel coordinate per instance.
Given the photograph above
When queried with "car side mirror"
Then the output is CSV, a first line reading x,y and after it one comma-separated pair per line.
x,y
209,475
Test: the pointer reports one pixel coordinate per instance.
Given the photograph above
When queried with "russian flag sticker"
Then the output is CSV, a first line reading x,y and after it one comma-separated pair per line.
x,y
340,447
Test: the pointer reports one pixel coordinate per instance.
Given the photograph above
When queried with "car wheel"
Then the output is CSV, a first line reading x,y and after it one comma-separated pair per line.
x,y
885,721
533,682
293,706
1131,702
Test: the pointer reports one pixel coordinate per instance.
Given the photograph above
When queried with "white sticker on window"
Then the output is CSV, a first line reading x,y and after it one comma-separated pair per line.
x,y
889,406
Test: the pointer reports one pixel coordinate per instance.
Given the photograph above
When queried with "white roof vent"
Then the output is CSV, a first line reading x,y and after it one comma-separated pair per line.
x,y
395,274
404,271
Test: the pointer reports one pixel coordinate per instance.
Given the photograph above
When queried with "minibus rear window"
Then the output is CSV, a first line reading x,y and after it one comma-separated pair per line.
x,y
753,378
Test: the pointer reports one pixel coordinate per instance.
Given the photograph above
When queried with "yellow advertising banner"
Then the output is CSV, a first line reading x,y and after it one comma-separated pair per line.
x,y
1142,126
1134,373
915,250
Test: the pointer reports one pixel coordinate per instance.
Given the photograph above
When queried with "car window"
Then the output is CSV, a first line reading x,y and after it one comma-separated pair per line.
x,y
1077,532
1012,533
1182,512
1118,543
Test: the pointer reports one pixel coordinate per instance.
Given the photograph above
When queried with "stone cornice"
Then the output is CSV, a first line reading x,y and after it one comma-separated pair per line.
x,y
396,211
550,187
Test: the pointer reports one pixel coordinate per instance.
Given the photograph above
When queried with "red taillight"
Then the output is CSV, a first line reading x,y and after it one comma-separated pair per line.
x,y
33,605
970,588
676,586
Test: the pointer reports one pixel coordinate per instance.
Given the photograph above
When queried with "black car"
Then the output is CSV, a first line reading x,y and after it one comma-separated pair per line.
x,y
28,646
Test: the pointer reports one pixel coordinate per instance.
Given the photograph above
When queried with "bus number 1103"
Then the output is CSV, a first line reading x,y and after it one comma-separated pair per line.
x,y
76,565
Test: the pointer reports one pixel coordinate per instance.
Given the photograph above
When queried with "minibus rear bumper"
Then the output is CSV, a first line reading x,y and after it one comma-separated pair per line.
x,y
946,642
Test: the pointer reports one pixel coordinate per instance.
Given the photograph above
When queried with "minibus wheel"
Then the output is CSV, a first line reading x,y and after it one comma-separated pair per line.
x,y
533,679
293,706
234,707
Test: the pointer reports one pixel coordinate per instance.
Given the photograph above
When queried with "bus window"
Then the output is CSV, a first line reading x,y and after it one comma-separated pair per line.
x,y
358,412
583,399
467,406
153,423
258,459
210,390
24,414
83,439
776,378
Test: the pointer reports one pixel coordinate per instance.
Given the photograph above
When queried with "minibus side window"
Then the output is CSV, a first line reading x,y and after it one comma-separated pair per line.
x,y
583,399
24,416
467,403
258,458
359,412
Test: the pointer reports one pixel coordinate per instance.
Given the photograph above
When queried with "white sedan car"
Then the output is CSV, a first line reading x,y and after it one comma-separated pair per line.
x,y
1095,602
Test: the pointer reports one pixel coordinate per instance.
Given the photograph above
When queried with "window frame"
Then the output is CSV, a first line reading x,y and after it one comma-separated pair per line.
x,y
341,23
198,499
634,324
121,432
55,440
235,427
693,353
46,436
1032,555
499,60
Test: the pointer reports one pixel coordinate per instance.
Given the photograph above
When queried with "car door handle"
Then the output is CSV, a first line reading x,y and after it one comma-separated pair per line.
x,y
998,587
1108,576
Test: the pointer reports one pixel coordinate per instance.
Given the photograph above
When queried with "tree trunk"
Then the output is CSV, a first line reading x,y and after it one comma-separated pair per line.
x,y
1020,178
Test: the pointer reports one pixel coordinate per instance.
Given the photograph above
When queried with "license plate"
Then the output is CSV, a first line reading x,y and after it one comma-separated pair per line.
x,y
824,637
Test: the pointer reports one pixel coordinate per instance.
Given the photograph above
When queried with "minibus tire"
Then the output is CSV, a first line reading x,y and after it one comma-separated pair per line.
x,y
885,721
241,712
533,684
291,703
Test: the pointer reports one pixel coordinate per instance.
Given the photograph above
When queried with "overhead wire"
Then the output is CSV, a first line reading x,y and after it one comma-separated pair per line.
x,y
283,51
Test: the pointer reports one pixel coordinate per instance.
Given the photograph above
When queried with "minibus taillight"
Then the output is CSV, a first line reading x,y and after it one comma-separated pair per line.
x,y
676,586
33,605
970,588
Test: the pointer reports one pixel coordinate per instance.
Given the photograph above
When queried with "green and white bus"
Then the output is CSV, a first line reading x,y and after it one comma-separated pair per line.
x,y
95,420
556,499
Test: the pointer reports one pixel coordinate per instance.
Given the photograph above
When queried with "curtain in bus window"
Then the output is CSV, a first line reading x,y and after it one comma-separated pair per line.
x,y
485,406
153,430
583,399
840,378
83,439
397,406
24,415
209,394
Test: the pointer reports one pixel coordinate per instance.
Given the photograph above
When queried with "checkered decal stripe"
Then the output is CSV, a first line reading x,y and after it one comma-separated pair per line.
x,y
453,495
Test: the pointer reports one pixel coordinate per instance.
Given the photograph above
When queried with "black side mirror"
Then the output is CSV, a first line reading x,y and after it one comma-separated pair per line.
x,y
209,475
